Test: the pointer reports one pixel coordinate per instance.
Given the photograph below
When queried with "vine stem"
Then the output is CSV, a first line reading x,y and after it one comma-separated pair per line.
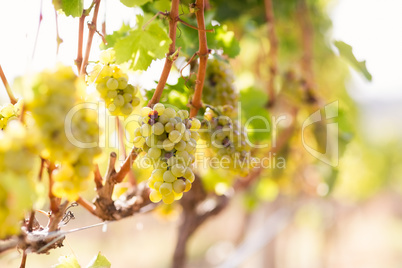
x,y
54,201
273,51
78,60
173,19
122,148
203,53
92,30
24,259
126,167
307,31
85,204
10,94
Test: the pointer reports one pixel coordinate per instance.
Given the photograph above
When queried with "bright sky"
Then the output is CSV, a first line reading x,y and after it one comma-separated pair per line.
x,y
372,28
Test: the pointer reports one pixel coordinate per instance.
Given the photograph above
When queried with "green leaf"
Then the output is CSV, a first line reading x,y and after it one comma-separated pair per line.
x,y
254,114
224,39
162,5
176,94
142,46
111,39
67,262
345,51
70,7
99,261
133,3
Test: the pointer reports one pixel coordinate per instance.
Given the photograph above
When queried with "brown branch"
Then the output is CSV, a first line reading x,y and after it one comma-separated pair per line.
x,y
192,218
203,53
55,218
31,221
126,167
42,167
85,204
78,60
10,94
195,28
306,26
171,56
54,201
23,260
122,148
92,30
98,178
273,51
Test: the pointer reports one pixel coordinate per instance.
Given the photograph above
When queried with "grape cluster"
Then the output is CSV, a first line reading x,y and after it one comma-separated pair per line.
x,y
226,139
169,139
9,112
17,189
112,84
68,132
218,85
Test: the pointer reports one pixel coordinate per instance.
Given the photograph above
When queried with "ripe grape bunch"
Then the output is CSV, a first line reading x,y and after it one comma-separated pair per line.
x,y
218,86
226,139
169,139
9,112
17,171
112,84
65,136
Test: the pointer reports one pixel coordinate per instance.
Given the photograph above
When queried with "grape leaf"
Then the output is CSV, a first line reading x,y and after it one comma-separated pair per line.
x,y
345,51
133,3
70,7
142,46
111,39
255,115
99,261
225,40
67,262
162,5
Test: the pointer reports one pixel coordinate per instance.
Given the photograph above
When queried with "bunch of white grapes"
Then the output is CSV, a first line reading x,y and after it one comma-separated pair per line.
x,y
169,139
226,139
9,112
69,132
112,84
17,173
218,85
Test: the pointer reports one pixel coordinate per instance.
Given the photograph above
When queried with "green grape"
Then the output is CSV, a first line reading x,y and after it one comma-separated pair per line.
x,y
155,196
112,84
169,198
119,101
160,108
50,109
158,128
127,109
122,82
180,146
179,186
128,97
10,112
227,139
18,161
111,94
218,86
169,112
175,136
178,170
154,153
168,176
165,136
